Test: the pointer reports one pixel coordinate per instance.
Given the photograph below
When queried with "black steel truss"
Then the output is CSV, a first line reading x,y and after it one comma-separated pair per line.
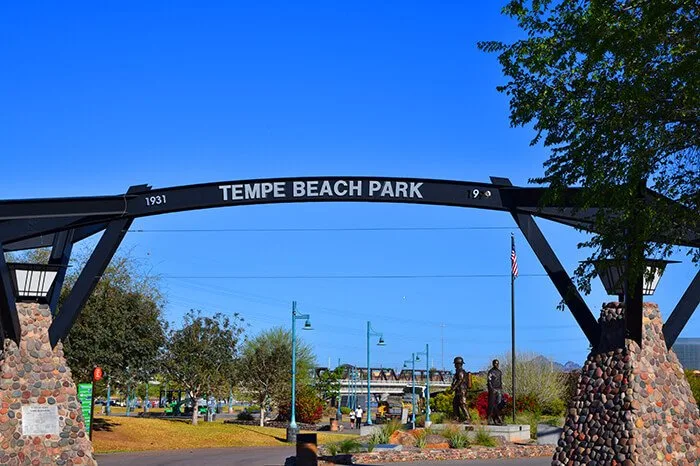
x,y
61,222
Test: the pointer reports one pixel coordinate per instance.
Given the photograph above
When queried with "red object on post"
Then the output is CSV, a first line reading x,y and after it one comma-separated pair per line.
x,y
97,374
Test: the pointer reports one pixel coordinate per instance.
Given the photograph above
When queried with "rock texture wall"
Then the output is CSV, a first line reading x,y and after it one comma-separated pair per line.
x,y
632,406
34,374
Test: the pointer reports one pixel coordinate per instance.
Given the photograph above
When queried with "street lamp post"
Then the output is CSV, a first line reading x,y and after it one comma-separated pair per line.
x,y
413,388
426,353
292,430
370,333
338,413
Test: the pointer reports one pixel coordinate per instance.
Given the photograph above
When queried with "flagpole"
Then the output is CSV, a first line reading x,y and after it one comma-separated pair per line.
x,y
512,317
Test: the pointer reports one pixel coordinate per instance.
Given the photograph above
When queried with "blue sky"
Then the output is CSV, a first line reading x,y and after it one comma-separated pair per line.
x,y
96,98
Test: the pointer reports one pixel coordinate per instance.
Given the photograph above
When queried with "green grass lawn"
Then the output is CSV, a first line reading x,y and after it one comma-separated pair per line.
x,y
113,434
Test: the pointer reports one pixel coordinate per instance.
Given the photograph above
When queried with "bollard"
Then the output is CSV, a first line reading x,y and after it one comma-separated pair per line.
x,y
307,452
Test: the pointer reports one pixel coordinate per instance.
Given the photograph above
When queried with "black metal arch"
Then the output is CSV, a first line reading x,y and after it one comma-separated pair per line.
x,y
61,222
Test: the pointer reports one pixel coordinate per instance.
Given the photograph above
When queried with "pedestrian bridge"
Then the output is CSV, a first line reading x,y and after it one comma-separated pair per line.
x,y
387,381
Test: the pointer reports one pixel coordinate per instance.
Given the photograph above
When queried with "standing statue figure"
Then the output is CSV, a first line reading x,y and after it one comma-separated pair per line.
x,y
461,382
495,386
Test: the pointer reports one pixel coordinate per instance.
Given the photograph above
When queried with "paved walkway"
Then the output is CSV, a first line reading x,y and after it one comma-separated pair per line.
x,y
263,457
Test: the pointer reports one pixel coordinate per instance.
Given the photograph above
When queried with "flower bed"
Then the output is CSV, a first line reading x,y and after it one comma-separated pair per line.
x,y
506,451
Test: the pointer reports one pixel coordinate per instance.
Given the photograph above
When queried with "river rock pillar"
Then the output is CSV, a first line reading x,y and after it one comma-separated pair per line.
x,y
40,417
633,405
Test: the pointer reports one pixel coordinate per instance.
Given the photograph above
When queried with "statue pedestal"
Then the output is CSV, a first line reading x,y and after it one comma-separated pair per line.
x,y
632,405
40,416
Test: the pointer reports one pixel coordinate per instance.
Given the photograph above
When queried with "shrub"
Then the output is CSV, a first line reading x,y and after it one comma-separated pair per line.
x,y
391,427
309,407
377,438
523,403
535,377
455,437
345,410
349,446
421,438
370,445
442,402
694,382
435,418
244,416
481,437
555,407
478,382
333,449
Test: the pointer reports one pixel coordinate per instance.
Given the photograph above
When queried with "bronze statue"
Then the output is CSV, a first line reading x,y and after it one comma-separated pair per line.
x,y
461,382
495,386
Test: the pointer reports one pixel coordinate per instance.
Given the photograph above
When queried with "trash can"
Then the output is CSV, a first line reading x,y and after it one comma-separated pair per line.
x,y
307,451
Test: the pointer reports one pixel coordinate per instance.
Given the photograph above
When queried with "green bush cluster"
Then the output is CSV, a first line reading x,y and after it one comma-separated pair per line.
x,y
244,416
435,418
442,402
456,437
482,437
694,382
345,410
382,435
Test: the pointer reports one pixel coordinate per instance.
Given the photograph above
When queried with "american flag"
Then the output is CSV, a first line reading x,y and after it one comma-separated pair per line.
x,y
513,258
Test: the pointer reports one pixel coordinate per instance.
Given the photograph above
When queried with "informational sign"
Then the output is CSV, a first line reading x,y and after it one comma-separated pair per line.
x,y
281,190
85,398
40,419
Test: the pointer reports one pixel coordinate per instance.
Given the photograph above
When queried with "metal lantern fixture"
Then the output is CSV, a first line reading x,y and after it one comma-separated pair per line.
x,y
611,273
381,342
33,282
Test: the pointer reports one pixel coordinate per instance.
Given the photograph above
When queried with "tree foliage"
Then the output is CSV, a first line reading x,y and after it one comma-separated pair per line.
x,y
196,354
120,327
309,407
613,89
327,384
264,368
535,378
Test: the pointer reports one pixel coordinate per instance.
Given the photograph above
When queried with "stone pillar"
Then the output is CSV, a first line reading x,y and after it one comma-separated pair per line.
x,y
35,378
632,405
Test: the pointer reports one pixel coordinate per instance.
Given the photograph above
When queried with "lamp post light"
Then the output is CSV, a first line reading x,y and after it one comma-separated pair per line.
x,y
370,333
413,388
33,282
292,430
426,353
612,272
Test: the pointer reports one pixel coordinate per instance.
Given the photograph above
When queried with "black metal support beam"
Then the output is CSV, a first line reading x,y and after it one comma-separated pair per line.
x,y
681,314
634,310
91,274
567,290
9,320
60,255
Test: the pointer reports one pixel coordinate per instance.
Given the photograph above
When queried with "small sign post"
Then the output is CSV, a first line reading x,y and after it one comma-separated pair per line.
x,y
85,398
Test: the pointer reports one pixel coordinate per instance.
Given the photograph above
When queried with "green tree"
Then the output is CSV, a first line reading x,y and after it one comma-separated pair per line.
x,y
327,384
120,328
264,368
613,89
196,354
